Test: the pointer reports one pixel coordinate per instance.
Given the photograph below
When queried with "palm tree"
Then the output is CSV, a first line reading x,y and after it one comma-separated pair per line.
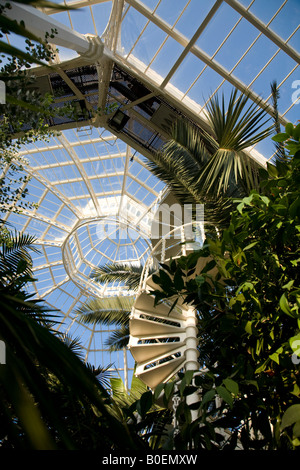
x,y
213,168
129,274
200,168
109,311
43,382
113,310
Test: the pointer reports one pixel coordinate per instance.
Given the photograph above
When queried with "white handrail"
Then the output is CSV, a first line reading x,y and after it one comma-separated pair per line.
x,y
159,251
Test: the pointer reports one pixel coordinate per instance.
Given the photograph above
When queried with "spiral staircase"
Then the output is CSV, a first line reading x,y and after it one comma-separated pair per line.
x,y
163,342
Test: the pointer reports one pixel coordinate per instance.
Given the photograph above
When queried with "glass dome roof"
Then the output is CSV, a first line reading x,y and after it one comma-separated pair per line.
x,y
94,207
183,51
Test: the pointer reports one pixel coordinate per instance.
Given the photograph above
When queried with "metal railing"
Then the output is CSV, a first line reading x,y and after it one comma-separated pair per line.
x,y
178,242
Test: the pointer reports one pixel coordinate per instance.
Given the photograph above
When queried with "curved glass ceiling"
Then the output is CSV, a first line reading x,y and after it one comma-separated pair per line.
x,y
95,203
86,179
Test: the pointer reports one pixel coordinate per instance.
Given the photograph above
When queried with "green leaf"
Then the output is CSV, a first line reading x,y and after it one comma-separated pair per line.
x,y
295,207
251,245
173,305
275,355
231,385
247,286
262,367
166,267
284,305
272,170
199,280
15,52
288,285
296,429
188,376
252,382
169,389
208,396
280,137
296,132
178,281
158,390
225,394
265,199
248,327
145,403
289,128
291,416
295,344
156,279
209,266
22,103
165,278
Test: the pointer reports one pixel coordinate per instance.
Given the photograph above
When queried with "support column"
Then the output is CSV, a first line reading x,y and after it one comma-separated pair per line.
x,y
192,353
125,369
38,23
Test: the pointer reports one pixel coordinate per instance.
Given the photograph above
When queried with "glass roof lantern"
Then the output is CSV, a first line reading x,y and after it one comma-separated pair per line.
x,y
132,67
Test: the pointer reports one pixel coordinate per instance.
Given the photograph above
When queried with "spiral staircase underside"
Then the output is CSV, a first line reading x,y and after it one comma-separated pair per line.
x,y
158,339
163,339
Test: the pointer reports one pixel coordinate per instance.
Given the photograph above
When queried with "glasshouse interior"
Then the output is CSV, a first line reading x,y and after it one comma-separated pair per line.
x,y
150,228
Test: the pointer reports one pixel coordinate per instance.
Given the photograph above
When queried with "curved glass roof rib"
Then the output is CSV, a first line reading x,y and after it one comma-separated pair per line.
x,y
162,58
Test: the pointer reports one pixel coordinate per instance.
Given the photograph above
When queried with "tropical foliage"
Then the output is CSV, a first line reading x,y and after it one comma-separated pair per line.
x,y
249,317
248,314
127,274
49,398
109,311
212,168
144,415
114,311
26,113
8,26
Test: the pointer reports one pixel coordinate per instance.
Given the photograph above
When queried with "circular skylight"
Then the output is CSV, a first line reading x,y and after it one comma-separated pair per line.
x,y
100,242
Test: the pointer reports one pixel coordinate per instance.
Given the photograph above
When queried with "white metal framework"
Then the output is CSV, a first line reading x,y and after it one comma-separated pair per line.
x,y
182,52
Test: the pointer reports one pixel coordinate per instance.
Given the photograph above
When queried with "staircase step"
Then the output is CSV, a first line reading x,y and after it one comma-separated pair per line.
x,y
148,352
145,303
153,376
141,327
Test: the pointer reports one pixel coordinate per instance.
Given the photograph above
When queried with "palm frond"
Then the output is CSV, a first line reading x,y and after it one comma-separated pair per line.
x,y
15,259
280,151
118,339
229,169
127,274
106,311
29,348
73,344
204,167
180,161
235,129
121,395
103,374
239,126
